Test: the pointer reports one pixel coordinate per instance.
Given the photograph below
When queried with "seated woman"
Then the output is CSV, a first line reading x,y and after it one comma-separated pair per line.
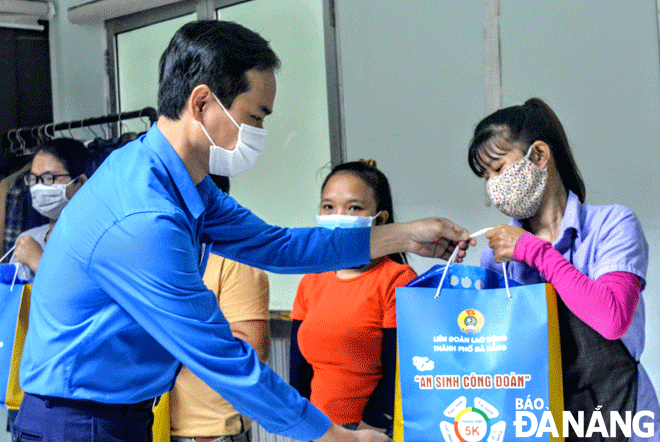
x,y
58,170
197,412
595,256
343,342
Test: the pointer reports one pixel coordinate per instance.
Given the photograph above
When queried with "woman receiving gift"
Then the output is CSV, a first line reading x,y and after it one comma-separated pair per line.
x,y
343,340
596,257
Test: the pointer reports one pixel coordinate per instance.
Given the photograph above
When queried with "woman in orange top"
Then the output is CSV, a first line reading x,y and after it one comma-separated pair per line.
x,y
343,342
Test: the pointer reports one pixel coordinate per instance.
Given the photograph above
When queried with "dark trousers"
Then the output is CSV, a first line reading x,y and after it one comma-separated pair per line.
x,y
11,417
65,420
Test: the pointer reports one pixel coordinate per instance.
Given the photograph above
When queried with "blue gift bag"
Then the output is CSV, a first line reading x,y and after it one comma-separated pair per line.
x,y
473,364
14,313
14,316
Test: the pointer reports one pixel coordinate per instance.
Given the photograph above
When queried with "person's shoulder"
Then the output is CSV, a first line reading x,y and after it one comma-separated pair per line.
x,y
37,232
609,215
613,222
306,293
396,270
612,209
312,278
138,161
309,284
133,180
231,268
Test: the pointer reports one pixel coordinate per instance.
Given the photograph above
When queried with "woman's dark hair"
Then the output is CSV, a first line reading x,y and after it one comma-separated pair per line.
x,y
221,181
73,155
214,53
366,170
521,126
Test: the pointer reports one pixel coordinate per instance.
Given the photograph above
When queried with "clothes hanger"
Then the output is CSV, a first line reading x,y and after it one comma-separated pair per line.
x,y
52,128
88,129
23,149
36,136
11,141
146,125
123,128
42,136
105,127
44,132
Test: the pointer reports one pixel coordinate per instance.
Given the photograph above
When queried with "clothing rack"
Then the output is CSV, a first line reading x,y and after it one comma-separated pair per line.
x,y
20,135
18,145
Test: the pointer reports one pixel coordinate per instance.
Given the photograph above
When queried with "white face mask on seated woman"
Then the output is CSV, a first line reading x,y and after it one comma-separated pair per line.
x,y
49,200
334,220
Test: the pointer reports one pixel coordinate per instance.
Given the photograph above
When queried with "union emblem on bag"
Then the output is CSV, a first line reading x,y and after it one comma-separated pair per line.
x,y
469,358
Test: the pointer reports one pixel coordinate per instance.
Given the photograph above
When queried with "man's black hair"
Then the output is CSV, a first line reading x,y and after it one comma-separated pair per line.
x,y
214,53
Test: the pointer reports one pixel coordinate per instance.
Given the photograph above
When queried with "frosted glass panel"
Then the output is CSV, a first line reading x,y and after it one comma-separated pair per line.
x,y
284,187
138,53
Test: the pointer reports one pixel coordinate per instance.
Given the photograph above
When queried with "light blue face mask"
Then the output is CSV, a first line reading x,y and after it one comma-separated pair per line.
x,y
335,220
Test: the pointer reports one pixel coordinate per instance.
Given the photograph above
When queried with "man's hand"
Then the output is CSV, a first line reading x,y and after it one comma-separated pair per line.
x,y
438,237
337,433
429,237
503,239
28,252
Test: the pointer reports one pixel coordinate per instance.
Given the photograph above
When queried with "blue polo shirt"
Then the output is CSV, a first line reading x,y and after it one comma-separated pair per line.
x,y
119,302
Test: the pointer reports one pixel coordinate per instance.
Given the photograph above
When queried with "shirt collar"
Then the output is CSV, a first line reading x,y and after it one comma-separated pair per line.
x,y
155,139
572,214
570,223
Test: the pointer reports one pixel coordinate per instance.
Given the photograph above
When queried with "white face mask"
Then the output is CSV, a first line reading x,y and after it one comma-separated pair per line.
x,y
250,146
335,220
49,200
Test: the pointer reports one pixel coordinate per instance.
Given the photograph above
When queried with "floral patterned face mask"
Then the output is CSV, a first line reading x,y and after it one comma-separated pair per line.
x,y
517,192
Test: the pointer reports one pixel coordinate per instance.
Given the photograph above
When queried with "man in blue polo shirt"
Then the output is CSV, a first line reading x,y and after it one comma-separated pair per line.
x,y
119,302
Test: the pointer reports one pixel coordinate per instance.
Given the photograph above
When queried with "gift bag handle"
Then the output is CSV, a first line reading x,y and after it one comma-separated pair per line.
x,y
8,253
453,256
16,272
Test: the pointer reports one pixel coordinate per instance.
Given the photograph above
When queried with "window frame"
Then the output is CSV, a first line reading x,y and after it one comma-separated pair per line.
x,y
205,10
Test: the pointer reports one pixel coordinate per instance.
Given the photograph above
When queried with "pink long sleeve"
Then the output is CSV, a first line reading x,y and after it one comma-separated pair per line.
x,y
607,304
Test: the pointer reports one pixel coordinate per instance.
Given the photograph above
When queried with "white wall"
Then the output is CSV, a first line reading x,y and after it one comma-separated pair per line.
x,y
597,65
286,193
78,67
413,91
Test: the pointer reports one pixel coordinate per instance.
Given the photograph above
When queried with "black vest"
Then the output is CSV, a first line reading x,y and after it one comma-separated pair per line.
x,y
597,372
